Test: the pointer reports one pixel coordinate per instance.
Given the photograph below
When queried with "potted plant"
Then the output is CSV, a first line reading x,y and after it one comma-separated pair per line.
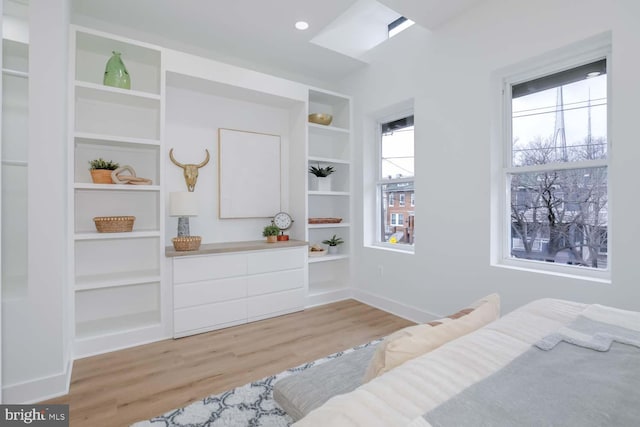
x,y
333,243
271,233
322,180
101,170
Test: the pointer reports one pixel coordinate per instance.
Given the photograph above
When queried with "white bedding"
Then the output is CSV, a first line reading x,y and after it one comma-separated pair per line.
x,y
400,397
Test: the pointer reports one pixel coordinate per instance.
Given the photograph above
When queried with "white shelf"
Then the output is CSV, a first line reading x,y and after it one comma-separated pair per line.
x,y
327,258
115,187
123,141
118,293
91,343
117,325
323,96
15,73
109,236
325,288
15,163
329,275
109,91
329,193
328,160
111,280
332,225
326,130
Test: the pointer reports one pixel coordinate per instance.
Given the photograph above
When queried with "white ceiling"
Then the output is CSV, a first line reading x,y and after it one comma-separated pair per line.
x,y
257,34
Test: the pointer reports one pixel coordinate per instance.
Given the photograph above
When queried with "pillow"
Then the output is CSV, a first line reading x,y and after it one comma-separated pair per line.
x,y
413,341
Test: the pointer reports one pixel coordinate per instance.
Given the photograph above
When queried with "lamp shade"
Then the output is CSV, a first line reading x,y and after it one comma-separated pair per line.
x,y
183,203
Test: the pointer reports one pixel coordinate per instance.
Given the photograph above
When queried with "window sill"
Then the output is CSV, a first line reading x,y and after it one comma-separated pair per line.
x,y
409,250
568,272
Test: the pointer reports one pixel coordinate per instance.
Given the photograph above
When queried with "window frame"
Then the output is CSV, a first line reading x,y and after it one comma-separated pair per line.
x,y
402,198
399,216
571,57
378,221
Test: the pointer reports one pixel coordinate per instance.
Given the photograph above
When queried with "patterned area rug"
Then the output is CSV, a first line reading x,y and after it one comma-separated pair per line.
x,y
251,405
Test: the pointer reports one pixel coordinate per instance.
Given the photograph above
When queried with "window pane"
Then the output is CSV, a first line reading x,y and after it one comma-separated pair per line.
x,y
398,222
560,216
564,122
397,153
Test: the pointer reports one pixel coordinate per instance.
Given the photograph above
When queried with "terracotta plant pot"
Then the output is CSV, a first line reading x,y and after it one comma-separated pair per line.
x,y
272,239
283,237
101,176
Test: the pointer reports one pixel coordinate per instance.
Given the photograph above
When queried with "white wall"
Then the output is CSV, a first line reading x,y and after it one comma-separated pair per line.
x,y
192,121
36,342
448,74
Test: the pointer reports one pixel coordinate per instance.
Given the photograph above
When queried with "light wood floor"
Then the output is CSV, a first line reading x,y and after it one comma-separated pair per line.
x,y
120,388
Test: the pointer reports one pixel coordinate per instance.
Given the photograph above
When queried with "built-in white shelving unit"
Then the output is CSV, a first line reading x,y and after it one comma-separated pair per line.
x,y
117,289
329,275
15,116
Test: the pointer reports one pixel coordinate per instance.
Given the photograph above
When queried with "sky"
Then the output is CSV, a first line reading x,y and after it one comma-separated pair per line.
x,y
535,115
397,153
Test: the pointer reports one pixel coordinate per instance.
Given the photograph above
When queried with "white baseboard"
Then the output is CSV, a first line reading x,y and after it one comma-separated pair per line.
x,y
40,389
328,297
394,307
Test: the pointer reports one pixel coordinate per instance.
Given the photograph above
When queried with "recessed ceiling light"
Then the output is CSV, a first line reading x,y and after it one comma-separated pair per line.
x,y
593,74
302,25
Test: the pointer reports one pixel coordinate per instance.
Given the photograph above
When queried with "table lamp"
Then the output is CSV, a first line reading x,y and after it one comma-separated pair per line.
x,y
183,204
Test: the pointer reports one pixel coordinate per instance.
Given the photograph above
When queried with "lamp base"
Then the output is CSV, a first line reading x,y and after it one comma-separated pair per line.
x,y
187,243
183,226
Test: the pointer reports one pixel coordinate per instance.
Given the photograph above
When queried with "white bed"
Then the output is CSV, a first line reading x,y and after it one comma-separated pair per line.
x,y
403,395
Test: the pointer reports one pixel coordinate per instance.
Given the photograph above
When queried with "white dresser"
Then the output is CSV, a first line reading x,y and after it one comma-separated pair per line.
x,y
228,284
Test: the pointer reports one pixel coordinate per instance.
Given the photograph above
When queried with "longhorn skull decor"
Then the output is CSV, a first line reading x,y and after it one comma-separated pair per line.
x,y
190,171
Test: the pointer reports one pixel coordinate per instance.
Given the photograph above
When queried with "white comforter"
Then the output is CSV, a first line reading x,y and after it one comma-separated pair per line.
x,y
400,397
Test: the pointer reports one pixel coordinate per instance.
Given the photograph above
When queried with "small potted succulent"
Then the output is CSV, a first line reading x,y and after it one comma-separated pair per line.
x,y
101,170
271,233
321,180
333,243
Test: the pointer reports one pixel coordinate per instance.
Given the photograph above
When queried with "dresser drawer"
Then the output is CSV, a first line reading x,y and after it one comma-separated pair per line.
x,y
275,282
209,291
263,306
195,269
276,260
209,316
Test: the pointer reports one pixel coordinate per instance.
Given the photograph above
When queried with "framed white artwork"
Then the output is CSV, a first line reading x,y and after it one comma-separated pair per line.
x,y
248,174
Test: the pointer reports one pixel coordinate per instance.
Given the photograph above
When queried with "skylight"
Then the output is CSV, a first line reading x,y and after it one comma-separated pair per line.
x,y
399,25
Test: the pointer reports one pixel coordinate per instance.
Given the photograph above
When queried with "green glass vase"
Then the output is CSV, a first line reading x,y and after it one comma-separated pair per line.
x,y
116,73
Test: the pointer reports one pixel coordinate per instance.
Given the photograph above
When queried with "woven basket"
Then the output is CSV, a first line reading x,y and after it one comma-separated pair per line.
x,y
324,220
114,224
186,243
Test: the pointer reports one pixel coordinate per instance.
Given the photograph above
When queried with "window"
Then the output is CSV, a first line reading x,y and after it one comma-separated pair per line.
x,y
413,200
397,220
395,181
556,167
398,26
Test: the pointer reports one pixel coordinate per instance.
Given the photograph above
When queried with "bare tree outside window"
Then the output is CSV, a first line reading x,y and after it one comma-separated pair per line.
x,y
558,177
